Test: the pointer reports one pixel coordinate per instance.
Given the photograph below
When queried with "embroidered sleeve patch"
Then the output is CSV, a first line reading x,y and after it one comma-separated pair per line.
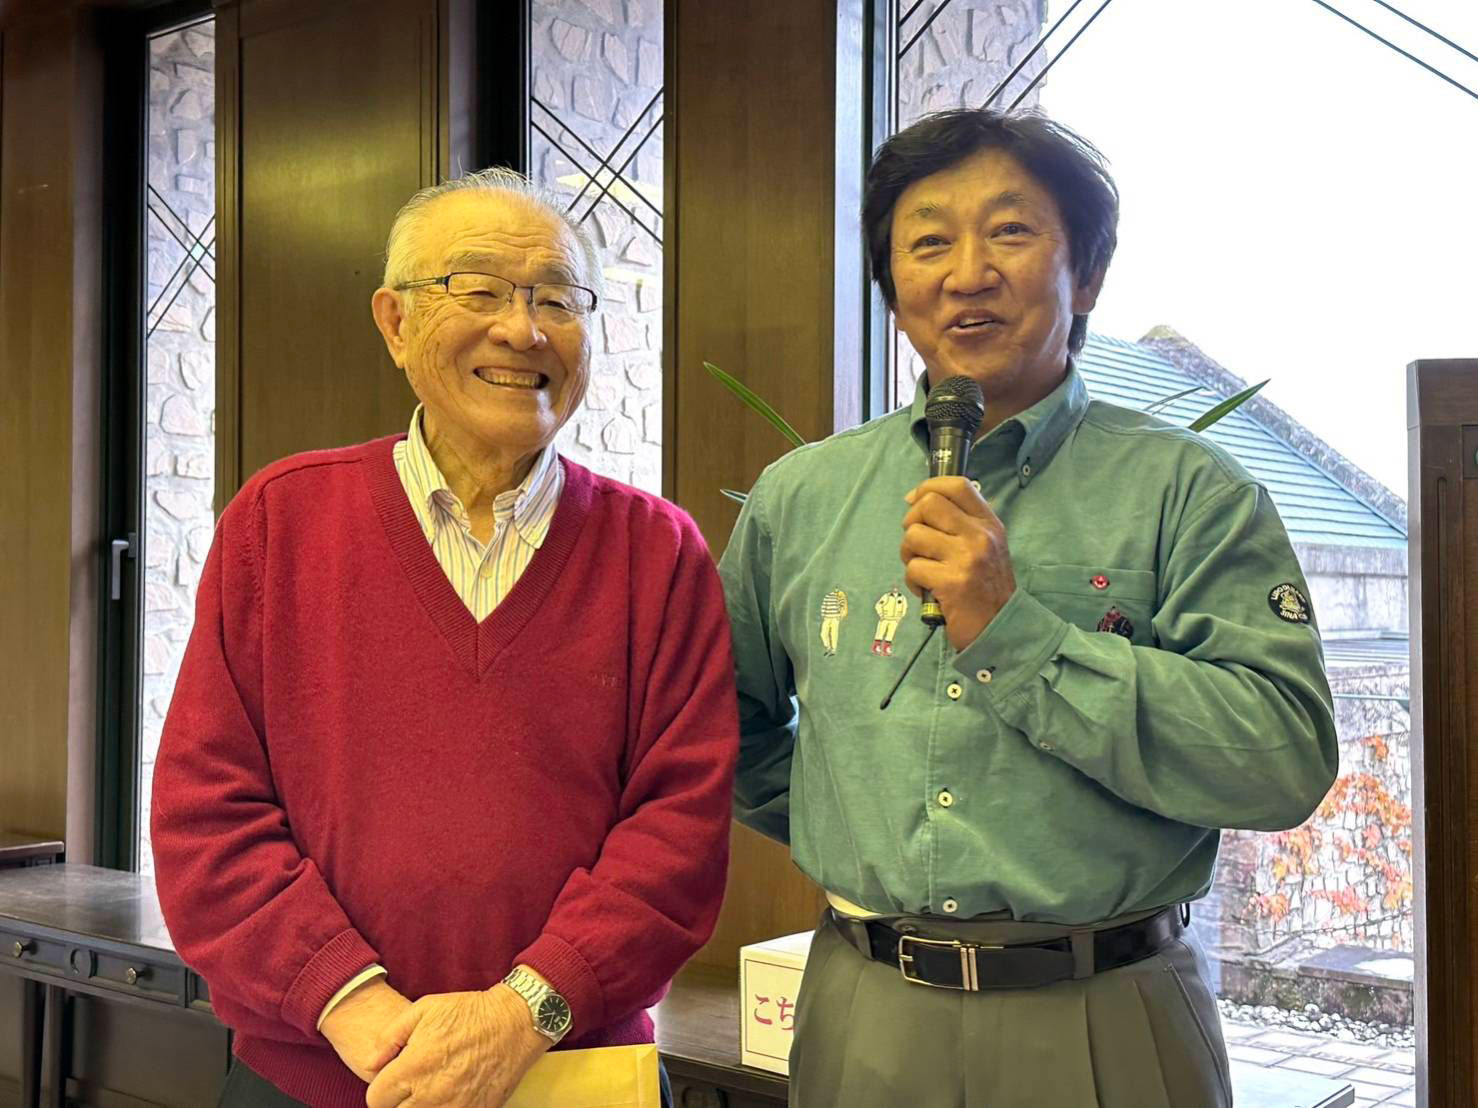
x,y
1288,603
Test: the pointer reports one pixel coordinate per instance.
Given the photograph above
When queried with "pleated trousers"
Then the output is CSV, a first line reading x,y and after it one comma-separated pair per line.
x,y
1146,1035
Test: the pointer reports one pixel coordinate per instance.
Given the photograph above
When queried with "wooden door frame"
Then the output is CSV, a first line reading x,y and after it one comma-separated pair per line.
x,y
1442,421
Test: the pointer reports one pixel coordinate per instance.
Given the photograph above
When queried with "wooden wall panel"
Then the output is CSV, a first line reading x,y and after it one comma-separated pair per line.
x,y
49,374
1443,536
334,120
764,148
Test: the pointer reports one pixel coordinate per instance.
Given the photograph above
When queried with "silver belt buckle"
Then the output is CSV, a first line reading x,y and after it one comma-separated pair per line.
x,y
969,971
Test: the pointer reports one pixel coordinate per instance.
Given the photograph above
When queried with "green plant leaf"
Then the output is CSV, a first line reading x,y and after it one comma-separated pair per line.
x,y
1230,404
741,497
1171,399
753,399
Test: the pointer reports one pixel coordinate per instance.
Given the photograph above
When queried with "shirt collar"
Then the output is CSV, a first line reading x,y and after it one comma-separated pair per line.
x,y
1038,432
529,505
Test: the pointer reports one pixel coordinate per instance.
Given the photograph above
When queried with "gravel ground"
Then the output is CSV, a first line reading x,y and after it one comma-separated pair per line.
x,y
1311,1018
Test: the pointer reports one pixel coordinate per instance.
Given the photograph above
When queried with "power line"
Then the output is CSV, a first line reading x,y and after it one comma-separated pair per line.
x,y
1393,46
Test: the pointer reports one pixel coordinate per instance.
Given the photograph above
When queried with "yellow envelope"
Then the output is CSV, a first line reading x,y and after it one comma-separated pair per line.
x,y
602,1077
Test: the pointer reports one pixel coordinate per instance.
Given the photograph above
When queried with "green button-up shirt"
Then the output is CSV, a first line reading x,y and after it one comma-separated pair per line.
x,y
1157,674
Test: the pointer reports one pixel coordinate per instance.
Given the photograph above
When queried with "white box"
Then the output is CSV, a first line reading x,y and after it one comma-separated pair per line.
x,y
769,980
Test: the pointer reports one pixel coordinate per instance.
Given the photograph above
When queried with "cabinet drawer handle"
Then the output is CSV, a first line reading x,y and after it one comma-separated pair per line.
x,y
20,947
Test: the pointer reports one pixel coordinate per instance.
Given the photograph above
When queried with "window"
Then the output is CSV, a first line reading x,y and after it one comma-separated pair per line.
x,y
179,355
596,122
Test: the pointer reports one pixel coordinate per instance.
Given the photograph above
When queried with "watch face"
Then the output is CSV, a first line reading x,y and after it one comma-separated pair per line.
x,y
554,1014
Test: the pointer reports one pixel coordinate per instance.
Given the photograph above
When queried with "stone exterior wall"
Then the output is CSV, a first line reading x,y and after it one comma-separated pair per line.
x,y
596,65
1343,878
966,52
1357,588
1345,875
180,398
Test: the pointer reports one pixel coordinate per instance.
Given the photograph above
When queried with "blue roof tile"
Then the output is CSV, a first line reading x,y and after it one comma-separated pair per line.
x,y
1315,507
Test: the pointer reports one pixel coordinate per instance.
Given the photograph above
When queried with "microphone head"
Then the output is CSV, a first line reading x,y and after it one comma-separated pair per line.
x,y
955,402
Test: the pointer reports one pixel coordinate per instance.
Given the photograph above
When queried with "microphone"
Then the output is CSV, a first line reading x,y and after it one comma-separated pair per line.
x,y
953,413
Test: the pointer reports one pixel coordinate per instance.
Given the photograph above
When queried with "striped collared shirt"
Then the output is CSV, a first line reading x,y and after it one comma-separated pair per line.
x,y
482,575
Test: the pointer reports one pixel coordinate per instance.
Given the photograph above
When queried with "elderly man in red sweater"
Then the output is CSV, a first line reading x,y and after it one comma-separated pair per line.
x,y
446,777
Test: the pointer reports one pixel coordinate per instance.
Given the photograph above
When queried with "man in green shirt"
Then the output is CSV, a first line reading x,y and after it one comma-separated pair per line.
x,y
1129,663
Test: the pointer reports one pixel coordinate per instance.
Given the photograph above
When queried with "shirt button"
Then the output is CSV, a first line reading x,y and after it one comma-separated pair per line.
x,y
955,690
983,676
1046,746
951,905
946,798
489,568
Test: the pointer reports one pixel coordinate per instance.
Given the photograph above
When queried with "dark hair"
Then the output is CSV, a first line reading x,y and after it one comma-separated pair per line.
x,y
1067,165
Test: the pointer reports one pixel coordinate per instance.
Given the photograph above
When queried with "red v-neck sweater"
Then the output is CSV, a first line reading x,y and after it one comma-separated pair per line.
x,y
354,771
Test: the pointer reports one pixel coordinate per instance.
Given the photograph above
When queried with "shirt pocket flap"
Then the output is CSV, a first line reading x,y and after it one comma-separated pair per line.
x,y
1109,582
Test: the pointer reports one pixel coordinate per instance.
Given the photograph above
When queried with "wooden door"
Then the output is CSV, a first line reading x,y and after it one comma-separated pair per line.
x,y
1442,409
330,116
763,276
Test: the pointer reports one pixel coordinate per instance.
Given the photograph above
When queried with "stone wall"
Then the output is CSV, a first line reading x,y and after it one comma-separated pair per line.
x,y
1345,875
180,396
1356,588
597,65
965,53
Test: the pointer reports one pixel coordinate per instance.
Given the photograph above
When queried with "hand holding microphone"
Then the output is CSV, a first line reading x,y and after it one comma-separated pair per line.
x,y
954,548
954,553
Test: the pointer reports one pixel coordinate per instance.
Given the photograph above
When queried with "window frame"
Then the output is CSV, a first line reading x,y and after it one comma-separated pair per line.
x,y
125,35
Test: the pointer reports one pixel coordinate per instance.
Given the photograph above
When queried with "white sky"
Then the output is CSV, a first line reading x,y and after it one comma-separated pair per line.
x,y
1297,199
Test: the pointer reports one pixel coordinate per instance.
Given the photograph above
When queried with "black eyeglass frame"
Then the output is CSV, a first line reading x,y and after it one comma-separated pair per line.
x,y
445,281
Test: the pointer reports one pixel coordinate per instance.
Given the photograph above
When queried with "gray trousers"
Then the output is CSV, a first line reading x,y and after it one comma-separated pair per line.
x,y
1146,1035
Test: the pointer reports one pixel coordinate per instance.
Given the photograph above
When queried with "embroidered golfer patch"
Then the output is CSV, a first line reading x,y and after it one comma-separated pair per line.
x,y
1288,603
891,607
833,611
1117,623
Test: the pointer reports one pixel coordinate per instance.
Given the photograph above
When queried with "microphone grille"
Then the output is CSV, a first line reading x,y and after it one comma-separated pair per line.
x,y
956,402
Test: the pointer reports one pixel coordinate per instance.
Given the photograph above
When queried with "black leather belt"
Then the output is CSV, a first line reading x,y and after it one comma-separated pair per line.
x,y
958,964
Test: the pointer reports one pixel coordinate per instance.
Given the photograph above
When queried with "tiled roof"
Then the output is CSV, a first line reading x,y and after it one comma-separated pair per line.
x,y
1390,648
1315,507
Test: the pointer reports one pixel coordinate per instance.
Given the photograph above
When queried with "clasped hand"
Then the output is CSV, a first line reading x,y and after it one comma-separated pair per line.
x,y
450,1050
955,546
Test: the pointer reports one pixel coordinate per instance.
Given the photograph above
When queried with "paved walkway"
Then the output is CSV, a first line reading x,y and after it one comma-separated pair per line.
x,y
1381,1075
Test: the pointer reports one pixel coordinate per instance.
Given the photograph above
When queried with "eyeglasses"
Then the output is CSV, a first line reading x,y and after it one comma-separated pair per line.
x,y
488,295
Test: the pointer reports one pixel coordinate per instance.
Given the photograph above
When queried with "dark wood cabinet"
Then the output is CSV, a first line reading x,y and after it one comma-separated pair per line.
x,y
95,1006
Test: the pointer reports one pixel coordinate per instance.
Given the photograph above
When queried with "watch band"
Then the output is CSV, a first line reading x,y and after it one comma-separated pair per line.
x,y
549,1010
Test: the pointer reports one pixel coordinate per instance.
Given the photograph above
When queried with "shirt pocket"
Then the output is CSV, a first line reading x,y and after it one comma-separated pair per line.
x,y
1105,598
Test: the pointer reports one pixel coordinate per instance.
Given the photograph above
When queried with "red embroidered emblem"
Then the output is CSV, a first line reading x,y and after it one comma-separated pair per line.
x,y
1117,623
1099,581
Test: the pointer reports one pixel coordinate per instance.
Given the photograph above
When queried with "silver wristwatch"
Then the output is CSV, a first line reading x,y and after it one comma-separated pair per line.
x,y
550,1011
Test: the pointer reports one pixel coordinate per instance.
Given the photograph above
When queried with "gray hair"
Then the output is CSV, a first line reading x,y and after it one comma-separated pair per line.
x,y
400,250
